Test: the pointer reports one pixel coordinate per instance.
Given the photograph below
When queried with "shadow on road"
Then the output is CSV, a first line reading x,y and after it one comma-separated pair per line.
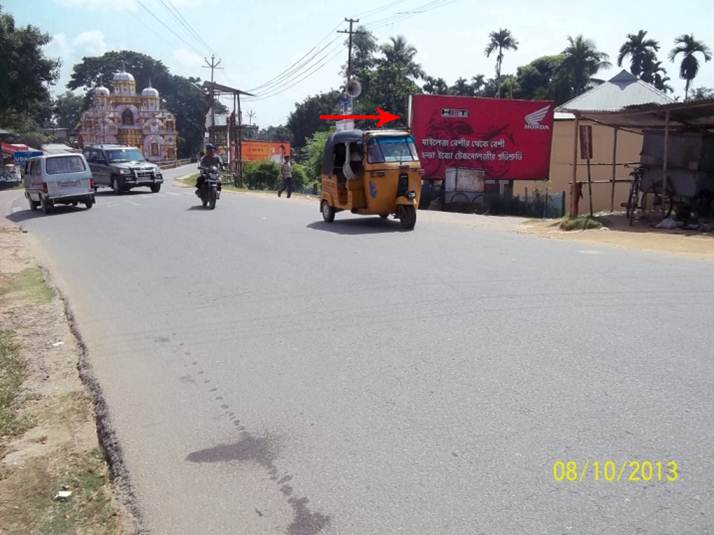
x,y
198,207
111,193
372,225
24,215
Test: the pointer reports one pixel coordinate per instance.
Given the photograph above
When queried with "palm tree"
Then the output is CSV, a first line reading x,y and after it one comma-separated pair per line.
x,y
640,50
500,40
688,46
399,55
581,60
657,76
462,87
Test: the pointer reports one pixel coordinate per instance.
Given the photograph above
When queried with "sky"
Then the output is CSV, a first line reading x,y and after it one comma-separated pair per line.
x,y
257,40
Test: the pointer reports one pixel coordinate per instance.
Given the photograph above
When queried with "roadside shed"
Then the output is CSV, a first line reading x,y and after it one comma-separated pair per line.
x,y
612,148
678,136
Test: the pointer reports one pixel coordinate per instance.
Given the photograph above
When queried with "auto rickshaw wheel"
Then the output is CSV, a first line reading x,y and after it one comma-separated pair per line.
x,y
407,217
328,212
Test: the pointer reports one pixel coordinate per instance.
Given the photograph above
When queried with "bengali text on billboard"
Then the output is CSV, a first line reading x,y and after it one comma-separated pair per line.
x,y
505,139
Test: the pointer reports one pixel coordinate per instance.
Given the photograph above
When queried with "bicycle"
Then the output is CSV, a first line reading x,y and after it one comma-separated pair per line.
x,y
647,199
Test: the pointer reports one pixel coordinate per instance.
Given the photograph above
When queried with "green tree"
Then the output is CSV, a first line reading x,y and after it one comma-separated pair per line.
x,y
305,120
393,80
182,96
462,87
189,105
67,109
311,154
93,71
276,133
641,51
581,61
656,74
25,75
500,41
435,86
542,79
689,47
702,93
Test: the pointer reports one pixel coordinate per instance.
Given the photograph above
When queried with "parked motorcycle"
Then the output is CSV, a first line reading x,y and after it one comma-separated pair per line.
x,y
210,189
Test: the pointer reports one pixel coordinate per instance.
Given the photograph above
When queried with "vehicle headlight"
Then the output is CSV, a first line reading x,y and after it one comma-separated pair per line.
x,y
125,171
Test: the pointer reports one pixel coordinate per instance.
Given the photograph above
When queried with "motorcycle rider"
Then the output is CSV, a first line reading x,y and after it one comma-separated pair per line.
x,y
209,160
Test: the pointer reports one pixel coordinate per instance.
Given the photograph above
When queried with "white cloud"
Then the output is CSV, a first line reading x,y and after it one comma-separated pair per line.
x,y
186,61
90,43
58,47
114,5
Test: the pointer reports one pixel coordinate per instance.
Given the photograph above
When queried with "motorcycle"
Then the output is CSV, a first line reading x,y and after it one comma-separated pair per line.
x,y
210,190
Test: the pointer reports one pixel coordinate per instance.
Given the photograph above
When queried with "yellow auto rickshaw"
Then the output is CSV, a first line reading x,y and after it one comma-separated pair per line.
x,y
371,172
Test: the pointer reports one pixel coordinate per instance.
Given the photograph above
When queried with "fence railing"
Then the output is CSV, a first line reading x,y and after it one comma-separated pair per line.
x,y
174,163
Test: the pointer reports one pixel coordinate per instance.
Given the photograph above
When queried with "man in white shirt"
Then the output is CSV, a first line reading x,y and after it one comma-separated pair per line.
x,y
286,172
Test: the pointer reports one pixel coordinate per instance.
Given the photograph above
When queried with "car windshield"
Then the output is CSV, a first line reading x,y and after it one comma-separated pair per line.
x,y
125,155
64,164
391,149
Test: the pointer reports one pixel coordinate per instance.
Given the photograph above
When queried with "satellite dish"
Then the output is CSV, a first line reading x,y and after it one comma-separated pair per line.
x,y
354,88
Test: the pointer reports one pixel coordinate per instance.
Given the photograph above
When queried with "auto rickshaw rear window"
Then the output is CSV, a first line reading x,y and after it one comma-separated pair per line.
x,y
385,149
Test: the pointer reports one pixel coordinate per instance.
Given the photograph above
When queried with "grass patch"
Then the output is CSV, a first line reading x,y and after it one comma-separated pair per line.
x,y
29,283
13,370
581,222
88,510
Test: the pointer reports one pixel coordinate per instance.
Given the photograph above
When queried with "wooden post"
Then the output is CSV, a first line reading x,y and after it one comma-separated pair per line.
x,y
590,188
665,161
614,170
574,183
239,145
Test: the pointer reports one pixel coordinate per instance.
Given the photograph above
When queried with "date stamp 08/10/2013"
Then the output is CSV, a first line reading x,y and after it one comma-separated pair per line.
x,y
569,471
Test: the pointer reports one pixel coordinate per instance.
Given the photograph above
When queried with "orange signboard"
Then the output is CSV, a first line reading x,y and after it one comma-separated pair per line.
x,y
253,150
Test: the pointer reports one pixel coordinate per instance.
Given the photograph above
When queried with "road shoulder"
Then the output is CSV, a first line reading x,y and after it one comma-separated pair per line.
x,y
53,474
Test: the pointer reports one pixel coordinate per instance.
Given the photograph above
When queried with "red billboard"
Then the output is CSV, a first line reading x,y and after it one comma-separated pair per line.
x,y
505,139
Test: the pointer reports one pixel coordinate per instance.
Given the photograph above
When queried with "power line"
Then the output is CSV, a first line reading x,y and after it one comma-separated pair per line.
x,y
166,26
294,65
169,5
318,67
300,66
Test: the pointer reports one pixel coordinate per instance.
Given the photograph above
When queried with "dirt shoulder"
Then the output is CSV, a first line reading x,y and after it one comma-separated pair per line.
x,y
641,237
48,431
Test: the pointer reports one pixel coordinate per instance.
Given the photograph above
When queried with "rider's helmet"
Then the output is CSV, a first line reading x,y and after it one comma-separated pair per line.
x,y
210,146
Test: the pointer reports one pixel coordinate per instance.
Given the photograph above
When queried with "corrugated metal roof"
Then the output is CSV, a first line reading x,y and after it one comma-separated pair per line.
x,y
617,93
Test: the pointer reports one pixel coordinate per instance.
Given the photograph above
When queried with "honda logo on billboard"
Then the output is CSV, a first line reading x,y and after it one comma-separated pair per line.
x,y
534,119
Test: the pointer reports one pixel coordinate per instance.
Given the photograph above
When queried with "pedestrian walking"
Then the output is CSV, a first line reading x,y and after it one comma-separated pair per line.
x,y
286,172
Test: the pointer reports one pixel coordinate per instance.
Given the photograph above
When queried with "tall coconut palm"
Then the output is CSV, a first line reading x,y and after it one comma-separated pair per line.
x,y
500,40
399,55
581,60
640,50
689,47
657,76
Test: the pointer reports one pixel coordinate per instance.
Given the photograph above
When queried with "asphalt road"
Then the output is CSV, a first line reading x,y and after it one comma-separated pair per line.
x,y
270,373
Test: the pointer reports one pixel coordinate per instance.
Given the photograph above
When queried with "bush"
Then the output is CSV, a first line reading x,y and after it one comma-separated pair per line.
x,y
582,222
262,175
300,178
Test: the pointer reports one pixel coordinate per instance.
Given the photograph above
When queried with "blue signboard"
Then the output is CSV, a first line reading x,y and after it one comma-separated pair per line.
x,y
23,156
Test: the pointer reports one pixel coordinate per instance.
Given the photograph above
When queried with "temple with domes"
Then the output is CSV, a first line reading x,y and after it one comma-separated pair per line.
x,y
122,116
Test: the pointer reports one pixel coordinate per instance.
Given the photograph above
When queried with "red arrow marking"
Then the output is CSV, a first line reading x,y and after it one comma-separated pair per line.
x,y
382,117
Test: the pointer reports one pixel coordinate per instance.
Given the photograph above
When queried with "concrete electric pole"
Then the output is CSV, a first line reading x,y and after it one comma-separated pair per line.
x,y
213,65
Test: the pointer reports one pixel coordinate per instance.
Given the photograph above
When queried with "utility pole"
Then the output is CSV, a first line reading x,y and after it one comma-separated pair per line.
x,y
213,65
251,114
349,45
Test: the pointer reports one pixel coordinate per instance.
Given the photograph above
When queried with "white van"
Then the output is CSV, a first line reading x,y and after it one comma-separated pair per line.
x,y
58,179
